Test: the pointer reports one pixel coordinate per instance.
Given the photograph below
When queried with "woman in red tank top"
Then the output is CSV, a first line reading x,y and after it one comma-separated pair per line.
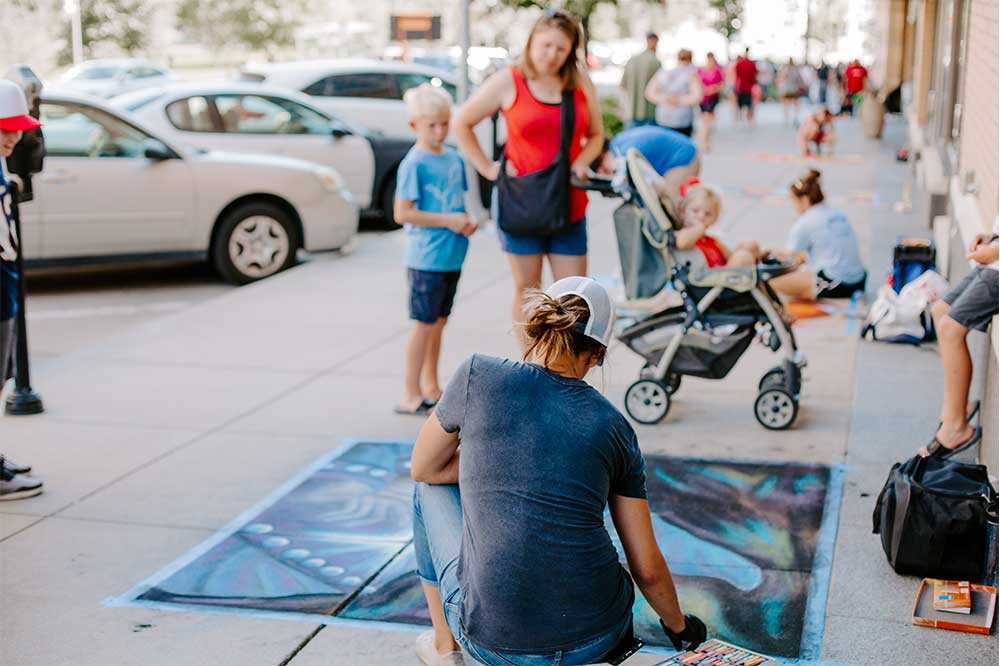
x,y
529,95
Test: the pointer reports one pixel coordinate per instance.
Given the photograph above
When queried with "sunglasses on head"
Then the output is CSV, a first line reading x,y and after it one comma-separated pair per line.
x,y
557,13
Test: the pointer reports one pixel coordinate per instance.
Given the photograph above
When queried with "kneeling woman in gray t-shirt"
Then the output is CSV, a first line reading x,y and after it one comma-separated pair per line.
x,y
518,566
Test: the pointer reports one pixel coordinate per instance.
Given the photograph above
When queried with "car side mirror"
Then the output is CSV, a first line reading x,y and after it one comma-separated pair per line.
x,y
339,131
158,152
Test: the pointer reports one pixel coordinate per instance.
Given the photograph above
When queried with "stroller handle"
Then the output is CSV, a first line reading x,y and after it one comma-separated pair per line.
x,y
595,184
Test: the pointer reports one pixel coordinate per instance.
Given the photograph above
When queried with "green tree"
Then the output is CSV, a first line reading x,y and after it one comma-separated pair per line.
x,y
108,25
729,18
259,25
582,9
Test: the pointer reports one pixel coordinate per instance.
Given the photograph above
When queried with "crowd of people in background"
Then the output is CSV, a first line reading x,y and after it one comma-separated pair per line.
x,y
674,97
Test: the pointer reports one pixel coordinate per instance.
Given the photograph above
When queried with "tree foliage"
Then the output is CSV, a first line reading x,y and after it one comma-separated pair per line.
x,y
109,27
729,17
259,25
582,9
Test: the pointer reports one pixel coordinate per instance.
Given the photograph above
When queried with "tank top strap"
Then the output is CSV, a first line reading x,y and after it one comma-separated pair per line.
x,y
520,83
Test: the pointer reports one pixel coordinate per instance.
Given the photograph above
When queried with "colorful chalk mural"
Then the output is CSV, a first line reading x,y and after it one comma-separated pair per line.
x,y
742,539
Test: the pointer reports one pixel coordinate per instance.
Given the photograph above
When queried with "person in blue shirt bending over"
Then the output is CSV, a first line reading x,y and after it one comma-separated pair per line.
x,y
673,155
429,202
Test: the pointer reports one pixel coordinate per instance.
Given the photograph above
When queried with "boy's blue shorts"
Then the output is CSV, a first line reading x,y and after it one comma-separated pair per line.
x,y
432,293
571,242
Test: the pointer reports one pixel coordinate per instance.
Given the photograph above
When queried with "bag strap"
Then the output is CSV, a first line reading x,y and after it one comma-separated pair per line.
x,y
567,123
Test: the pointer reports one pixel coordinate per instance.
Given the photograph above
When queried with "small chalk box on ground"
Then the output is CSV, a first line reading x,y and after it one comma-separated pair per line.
x,y
717,653
979,617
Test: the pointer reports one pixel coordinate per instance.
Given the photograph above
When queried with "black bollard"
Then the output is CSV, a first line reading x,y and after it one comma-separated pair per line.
x,y
23,401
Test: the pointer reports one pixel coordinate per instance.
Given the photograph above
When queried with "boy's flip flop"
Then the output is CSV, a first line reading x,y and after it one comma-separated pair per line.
x,y
939,450
422,409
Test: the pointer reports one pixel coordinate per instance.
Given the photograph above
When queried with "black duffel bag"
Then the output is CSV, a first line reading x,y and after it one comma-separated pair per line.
x,y
931,515
538,203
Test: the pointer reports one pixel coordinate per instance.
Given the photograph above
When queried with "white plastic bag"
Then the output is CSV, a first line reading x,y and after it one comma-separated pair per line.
x,y
931,285
897,318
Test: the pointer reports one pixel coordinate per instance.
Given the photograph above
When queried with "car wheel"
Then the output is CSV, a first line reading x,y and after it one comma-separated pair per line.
x,y
254,241
388,203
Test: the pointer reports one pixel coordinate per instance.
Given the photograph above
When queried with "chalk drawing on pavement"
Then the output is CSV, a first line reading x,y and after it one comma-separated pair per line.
x,y
750,546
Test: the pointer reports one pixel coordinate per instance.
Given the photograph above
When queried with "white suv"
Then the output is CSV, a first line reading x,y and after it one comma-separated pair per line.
x,y
369,92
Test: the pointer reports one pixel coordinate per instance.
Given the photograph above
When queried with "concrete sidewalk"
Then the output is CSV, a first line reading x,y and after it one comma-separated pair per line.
x,y
155,439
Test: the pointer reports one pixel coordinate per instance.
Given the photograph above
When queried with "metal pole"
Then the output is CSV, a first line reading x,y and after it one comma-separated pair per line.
x,y
808,29
72,7
463,69
474,201
23,400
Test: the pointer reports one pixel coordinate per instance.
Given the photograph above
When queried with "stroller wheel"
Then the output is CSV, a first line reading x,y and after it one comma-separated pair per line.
x,y
775,408
773,378
647,401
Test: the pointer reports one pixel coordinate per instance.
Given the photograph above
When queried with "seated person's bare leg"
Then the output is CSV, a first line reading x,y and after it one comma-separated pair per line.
x,y
800,284
741,258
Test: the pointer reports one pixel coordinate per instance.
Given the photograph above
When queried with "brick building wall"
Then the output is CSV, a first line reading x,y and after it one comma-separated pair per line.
x,y
979,146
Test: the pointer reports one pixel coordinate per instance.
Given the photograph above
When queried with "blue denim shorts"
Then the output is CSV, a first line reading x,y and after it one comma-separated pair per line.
x,y
432,293
571,242
8,290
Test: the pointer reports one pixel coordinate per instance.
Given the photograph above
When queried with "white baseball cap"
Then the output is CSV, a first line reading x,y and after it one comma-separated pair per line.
x,y
602,313
14,108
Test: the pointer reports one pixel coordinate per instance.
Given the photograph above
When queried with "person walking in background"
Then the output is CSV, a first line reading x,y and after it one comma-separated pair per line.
x,y
14,121
675,92
429,202
855,77
823,80
790,87
638,71
745,80
711,88
971,304
529,95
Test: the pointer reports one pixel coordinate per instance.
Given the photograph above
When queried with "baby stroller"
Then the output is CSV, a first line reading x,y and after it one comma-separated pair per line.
x,y
723,310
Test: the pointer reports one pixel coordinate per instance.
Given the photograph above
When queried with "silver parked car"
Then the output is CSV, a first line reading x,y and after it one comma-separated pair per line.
x,y
249,117
113,76
113,190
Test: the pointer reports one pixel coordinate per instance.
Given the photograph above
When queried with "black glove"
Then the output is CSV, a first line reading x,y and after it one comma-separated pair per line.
x,y
694,633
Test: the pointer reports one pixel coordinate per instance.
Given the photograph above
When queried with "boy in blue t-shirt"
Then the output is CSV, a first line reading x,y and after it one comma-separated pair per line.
x,y
430,185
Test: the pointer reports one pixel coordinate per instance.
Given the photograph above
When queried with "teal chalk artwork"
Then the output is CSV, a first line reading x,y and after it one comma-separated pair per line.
x,y
749,545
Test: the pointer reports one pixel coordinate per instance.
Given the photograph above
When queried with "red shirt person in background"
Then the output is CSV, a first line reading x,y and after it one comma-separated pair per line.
x,y
746,79
854,78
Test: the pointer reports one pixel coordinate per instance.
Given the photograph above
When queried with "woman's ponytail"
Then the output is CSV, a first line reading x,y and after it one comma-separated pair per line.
x,y
808,186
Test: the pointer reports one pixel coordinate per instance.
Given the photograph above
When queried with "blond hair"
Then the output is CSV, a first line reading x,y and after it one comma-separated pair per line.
x,y
427,100
700,192
571,72
552,327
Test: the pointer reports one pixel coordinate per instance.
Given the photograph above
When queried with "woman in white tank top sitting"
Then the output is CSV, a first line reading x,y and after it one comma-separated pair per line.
x,y
675,93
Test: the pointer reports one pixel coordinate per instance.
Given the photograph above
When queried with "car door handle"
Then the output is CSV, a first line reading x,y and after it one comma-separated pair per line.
x,y
56,176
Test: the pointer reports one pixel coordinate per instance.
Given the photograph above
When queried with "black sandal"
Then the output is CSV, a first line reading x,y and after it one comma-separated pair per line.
x,y
422,409
939,450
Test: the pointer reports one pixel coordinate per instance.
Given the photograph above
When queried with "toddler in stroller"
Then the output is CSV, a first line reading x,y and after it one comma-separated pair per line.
x,y
723,310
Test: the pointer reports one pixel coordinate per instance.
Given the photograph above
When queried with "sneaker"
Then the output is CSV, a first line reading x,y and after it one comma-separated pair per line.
x,y
17,468
17,486
429,655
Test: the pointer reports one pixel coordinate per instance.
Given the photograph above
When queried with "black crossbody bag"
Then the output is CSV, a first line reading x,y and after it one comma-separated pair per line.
x,y
537,204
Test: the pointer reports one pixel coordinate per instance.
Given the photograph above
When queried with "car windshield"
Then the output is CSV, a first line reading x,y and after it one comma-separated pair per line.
x,y
93,73
134,101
